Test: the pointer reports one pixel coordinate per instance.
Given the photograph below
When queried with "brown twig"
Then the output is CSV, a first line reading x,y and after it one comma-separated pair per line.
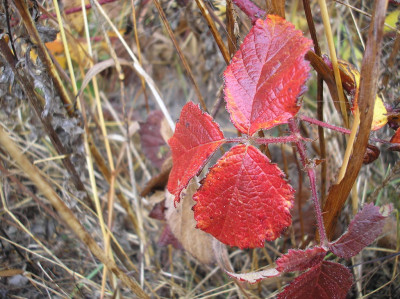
x,y
326,73
277,7
214,30
368,87
180,53
230,28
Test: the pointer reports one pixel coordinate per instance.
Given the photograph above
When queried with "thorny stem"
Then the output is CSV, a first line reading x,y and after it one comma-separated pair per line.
x,y
283,139
294,128
324,124
336,128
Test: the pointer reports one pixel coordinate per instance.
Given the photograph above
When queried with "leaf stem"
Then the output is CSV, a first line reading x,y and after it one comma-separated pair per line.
x,y
336,128
324,124
282,139
294,128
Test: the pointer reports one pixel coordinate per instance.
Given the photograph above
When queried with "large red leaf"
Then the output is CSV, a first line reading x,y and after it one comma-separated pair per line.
x,y
195,139
300,260
244,199
366,226
326,280
266,76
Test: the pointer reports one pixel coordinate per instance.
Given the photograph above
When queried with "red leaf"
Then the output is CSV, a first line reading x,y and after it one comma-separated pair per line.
x,y
253,277
266,76
363,230
326,280
195,139
152,141
300,260
244,199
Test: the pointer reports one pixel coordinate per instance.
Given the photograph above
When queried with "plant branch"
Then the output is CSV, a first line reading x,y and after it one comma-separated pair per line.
x,y
323,124
259,140
368,89
214,31
309,167
283,139
230,28
332,51
336,128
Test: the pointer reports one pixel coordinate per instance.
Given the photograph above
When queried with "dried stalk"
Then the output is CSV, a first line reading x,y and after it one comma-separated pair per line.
x,y
180,54
214,30
66,214
368,89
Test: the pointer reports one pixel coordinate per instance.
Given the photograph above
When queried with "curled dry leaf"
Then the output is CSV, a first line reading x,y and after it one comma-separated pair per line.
x,y
254,277
244,199
195,139
351,83
183,226
266,76
222,259
371,154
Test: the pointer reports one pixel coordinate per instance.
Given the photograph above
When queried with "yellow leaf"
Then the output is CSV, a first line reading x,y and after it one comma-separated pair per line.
x,y
391,20
380,115
351,83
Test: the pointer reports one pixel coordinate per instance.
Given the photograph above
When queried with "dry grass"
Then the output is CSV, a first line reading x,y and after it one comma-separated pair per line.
x,y
86,161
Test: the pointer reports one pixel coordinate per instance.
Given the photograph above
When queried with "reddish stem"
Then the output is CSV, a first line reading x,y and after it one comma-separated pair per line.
x,y
250,9
336,128
324,124
78,9
294,128
283,139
